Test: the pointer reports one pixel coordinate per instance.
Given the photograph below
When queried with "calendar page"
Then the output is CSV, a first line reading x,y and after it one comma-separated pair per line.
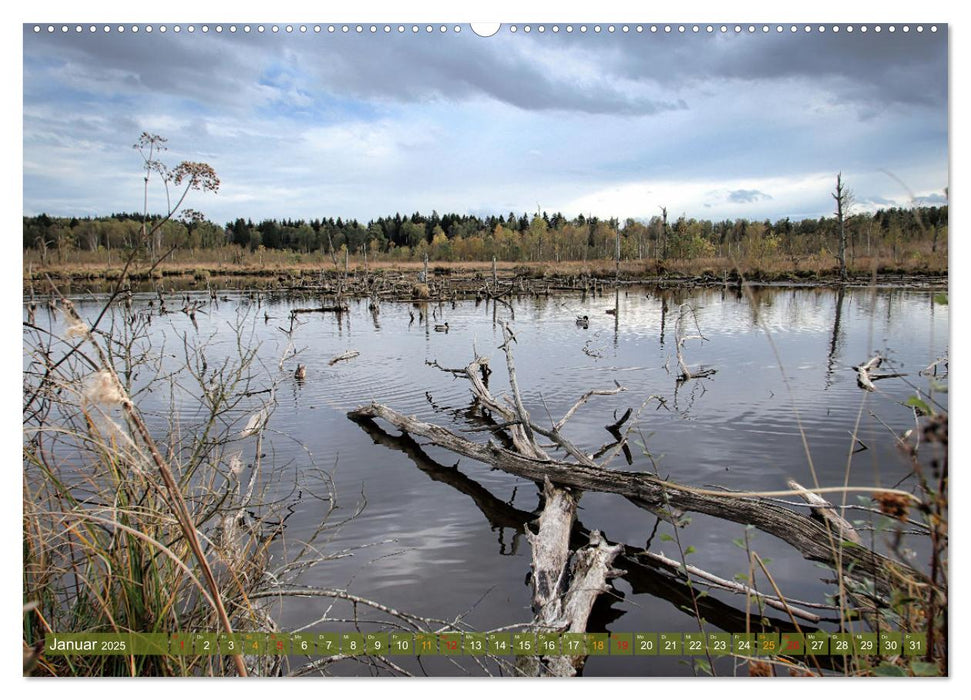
x,y
439,348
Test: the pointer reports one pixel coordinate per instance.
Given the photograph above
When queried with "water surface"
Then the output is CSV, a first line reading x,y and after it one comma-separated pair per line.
x,y
783,359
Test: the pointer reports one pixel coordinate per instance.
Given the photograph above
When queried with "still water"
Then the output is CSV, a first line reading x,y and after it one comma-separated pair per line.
x,y
423,542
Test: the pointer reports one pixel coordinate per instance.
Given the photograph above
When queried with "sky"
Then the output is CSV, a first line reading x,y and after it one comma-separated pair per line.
x,y
360,125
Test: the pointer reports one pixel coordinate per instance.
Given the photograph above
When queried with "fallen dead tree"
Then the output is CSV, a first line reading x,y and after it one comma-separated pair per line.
x,y
564,594
813,539
565,585
645,572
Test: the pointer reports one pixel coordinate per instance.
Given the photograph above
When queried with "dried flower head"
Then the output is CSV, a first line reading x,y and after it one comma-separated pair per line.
x,y
198,176
936,429
759,669
76,329
892,504
101,387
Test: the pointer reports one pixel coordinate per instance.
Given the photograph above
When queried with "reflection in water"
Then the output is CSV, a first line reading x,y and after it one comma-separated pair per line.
x,y
834,339
431,551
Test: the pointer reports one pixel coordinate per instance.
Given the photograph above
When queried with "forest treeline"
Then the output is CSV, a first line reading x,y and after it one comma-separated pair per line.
x,y
535,237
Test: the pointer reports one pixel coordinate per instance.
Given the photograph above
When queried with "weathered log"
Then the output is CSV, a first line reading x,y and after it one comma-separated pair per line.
x,y
643,572
551,552
865,376
350,354
563,596
808,536
561,599
320,310
823,509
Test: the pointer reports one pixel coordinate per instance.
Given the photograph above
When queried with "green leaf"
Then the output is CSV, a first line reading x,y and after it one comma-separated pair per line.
x,y
940,298
920,405
886,669
739,542
922,668
702,665
689,550
665,537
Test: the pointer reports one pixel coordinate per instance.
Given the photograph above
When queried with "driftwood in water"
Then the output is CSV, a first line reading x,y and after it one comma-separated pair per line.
x,y
814,540
865,376
350,354
564,594
863,373
515,418
645,572
686,372
339,309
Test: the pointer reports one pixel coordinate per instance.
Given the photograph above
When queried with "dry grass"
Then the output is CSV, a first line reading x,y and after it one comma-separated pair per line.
x,y
106,547
201,265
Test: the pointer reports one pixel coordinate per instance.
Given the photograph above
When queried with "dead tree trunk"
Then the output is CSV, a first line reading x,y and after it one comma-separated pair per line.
x,y
842,197
814,540
563,595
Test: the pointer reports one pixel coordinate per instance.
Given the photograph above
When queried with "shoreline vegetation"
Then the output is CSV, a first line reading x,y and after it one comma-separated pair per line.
x,y
886,246
292,271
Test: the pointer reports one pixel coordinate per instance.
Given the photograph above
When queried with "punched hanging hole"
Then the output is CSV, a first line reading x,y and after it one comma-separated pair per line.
x,y
485,29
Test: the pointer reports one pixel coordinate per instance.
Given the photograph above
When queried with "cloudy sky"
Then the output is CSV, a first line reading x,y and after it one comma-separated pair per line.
x,y
361,125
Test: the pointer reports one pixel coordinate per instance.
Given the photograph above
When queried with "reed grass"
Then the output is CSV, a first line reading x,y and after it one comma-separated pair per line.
x,y
146,524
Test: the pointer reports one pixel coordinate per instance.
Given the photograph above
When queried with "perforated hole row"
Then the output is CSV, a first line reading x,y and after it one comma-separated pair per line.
x,y
512,28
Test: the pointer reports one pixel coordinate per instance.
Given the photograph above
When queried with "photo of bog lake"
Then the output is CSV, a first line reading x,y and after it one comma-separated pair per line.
x,y
449,350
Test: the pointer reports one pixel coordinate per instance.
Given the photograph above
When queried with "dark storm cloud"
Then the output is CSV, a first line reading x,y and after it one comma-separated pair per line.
x,y
191,67
463,66
596,76
885,67
223,69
